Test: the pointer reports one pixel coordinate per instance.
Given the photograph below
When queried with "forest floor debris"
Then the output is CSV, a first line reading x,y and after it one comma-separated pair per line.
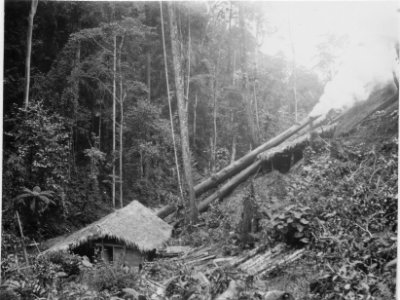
x,y
328,230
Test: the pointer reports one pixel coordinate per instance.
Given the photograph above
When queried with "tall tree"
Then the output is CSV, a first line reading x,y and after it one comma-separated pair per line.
x,y
245,78
114,116
32,13
121,125
169,102
182,110
294,75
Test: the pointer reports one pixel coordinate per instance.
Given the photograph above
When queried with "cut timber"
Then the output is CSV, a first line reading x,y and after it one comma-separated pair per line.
x,y
166,210
297,142
246,160
267,155
262,263
226,188
253,253
230,185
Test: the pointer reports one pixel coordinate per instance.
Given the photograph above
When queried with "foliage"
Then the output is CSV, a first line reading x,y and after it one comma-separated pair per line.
x,y
40,140
54,275
69,263
351,190
110,277
36,199
295,226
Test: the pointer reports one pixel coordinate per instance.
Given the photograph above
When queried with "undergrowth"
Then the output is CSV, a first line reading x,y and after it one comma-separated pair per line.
x,y
346,214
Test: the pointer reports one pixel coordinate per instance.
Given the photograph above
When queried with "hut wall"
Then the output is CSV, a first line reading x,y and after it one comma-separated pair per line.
x,y
118,253
133,257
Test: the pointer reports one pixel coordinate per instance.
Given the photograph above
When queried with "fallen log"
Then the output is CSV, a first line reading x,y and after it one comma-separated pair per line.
x,y
245,257
259,262
283,261
225,189
250,157
230,185
297,142
247,165
166,210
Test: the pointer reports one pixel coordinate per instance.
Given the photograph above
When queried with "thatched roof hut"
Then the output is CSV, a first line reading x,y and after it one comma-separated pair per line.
x,y
134,225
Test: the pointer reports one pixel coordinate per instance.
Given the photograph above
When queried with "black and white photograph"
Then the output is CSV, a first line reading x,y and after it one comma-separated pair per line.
x,y
199,150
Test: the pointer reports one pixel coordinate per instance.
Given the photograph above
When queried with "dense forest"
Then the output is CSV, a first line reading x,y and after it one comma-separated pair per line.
x,y
98,104
109,102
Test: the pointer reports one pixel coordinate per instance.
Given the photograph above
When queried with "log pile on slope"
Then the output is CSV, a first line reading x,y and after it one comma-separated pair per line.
x,y
204,270
241,169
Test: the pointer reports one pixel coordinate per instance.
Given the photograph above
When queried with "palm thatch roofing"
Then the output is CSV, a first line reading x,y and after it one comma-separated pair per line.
x,y
134,225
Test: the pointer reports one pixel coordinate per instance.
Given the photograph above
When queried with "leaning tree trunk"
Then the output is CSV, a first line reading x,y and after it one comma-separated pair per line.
x,y
246,166
225,189
246,160
34,5
182,111
21,232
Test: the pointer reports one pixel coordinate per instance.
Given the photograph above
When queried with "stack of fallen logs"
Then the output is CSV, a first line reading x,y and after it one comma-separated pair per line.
x,y
198,269
240,170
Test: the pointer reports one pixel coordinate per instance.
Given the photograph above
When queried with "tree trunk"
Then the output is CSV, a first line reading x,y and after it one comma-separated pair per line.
x,y
244,167
234,68
215,108
246,160
113,117
230,60
21,231
121,126
233,152
212,156
182,111
188,65
230,185
245,80
169,103
258,130
194,121
294,75
148,56
34,5
225,189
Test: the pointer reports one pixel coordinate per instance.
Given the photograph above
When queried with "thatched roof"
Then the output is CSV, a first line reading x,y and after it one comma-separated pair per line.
x,y
134,225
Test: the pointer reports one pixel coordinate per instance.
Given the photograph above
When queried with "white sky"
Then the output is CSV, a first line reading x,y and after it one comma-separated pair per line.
x,y
360,20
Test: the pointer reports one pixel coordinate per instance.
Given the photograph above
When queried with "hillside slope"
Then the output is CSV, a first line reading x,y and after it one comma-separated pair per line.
x,y
339,203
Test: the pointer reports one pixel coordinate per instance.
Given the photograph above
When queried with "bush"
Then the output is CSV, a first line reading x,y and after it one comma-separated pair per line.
x,y
353,199
295,226
69,263
110,277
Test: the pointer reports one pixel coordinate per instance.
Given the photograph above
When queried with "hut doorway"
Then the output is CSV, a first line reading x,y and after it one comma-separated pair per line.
x,y
108,254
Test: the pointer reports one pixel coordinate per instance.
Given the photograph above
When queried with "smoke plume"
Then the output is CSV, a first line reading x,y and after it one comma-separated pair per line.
x,y
365,65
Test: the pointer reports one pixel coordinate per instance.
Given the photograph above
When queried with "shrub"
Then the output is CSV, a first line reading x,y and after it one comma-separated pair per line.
x,y
69,263
295,226
110,277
